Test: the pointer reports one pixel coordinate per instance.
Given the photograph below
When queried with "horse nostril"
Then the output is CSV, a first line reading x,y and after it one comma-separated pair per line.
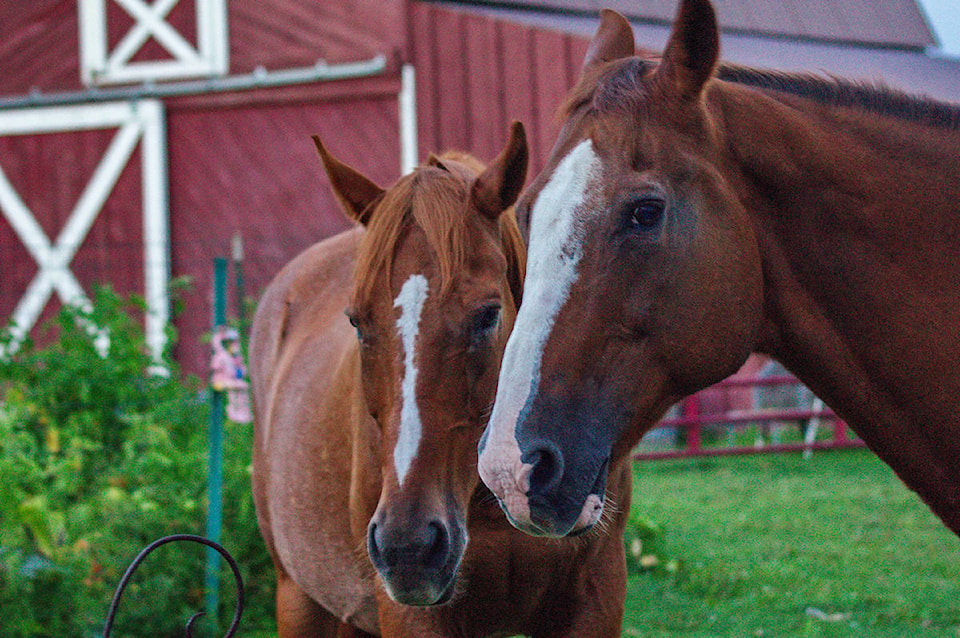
x,y
436,545
428,547
374,544
546,460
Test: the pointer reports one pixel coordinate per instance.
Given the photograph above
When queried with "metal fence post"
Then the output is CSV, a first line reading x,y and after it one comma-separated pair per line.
x,y
215,455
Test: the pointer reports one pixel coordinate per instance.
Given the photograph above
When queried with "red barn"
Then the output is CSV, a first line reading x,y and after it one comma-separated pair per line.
x,y
137,138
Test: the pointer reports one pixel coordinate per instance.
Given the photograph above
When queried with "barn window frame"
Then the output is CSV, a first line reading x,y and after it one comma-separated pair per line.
x,y
101,66
138,123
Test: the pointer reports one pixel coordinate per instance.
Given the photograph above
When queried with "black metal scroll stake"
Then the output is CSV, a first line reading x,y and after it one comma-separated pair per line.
x,y
163,541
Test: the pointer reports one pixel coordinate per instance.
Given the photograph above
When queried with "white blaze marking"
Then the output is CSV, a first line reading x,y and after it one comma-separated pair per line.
x,y
554,254
410,301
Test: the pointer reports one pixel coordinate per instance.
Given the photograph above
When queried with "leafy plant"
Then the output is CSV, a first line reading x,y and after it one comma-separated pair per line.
x,y
100,455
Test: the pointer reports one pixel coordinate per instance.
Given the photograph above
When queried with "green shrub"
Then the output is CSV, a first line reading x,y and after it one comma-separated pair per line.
x,y
99,457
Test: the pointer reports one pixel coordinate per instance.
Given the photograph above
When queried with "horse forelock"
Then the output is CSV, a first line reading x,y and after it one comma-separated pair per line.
x,y
432,199
616,85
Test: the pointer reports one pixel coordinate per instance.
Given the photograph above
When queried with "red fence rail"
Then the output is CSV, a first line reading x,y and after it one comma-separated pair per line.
x,y
722,419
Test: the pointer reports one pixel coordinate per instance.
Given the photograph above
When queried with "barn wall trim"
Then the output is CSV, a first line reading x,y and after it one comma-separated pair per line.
x,y
259,79
99,65
408,119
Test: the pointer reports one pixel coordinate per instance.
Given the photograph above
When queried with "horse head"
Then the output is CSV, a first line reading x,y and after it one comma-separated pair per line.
x,y
643,278
436,288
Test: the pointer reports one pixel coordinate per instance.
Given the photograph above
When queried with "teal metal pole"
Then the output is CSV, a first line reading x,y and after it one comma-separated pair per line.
x,y
215,455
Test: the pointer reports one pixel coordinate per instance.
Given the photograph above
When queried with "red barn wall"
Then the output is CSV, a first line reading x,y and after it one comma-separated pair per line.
x,y
240,162
40,49
49,172
475,74
254,170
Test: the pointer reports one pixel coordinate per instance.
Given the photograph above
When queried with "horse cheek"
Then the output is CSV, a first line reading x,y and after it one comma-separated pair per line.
x,y
716,311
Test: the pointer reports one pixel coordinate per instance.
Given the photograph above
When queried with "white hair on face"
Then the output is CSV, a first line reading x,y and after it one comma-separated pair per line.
x,y
412,296
554,253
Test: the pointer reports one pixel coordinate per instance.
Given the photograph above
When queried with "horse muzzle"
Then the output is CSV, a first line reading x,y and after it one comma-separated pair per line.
x,y
417,561
537,495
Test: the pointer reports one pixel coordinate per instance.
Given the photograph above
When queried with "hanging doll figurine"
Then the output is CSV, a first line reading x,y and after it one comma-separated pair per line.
x,y
229,374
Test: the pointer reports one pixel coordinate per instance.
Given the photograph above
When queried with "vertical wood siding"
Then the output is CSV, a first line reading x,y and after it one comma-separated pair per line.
x,y
476,74
255,171
238,162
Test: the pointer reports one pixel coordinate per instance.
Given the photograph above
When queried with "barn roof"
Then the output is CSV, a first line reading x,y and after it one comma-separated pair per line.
x,y
885,23
905,67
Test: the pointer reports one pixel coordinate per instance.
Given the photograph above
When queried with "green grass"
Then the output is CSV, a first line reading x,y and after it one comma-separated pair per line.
x,y
773,545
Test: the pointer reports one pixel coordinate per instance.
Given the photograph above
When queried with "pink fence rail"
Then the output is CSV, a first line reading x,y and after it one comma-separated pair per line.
x,y
698,426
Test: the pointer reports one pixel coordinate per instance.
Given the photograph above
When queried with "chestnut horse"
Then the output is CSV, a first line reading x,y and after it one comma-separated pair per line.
x,y
690,215
365,454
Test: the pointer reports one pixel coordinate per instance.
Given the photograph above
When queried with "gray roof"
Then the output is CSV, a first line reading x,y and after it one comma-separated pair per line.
x,y
911,69
888,23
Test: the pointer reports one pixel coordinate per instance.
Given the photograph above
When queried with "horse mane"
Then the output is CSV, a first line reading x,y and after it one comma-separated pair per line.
x,y
432,198
834,91
617,81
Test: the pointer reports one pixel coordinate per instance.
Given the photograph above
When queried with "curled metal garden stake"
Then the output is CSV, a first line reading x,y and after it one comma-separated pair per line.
x,y
238,612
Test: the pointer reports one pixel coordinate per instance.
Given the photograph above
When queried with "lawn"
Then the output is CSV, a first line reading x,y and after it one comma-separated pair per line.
x,y
775,545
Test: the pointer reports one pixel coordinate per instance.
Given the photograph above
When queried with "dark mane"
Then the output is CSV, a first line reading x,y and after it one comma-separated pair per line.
x,y
620,83
833,91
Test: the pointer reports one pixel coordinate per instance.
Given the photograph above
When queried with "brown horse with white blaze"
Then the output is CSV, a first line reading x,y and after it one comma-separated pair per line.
x,y
365,454
691,213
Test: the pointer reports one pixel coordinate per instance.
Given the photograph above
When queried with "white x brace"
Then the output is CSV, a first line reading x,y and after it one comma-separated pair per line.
x,y
99,65
136,122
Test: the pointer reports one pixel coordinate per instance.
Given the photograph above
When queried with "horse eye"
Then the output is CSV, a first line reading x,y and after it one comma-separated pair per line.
x,y
355,322
646,213
484,322
353,317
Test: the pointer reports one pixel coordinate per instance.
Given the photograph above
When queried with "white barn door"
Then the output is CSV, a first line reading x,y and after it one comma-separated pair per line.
x,y
139,122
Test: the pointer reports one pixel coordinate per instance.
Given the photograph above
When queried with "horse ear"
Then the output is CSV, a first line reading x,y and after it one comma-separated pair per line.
x,y
612,41
497,188
355,192
433,160
691,54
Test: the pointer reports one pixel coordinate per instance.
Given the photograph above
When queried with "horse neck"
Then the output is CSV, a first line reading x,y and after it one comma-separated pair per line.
x,y
891,181
857,218
847,202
